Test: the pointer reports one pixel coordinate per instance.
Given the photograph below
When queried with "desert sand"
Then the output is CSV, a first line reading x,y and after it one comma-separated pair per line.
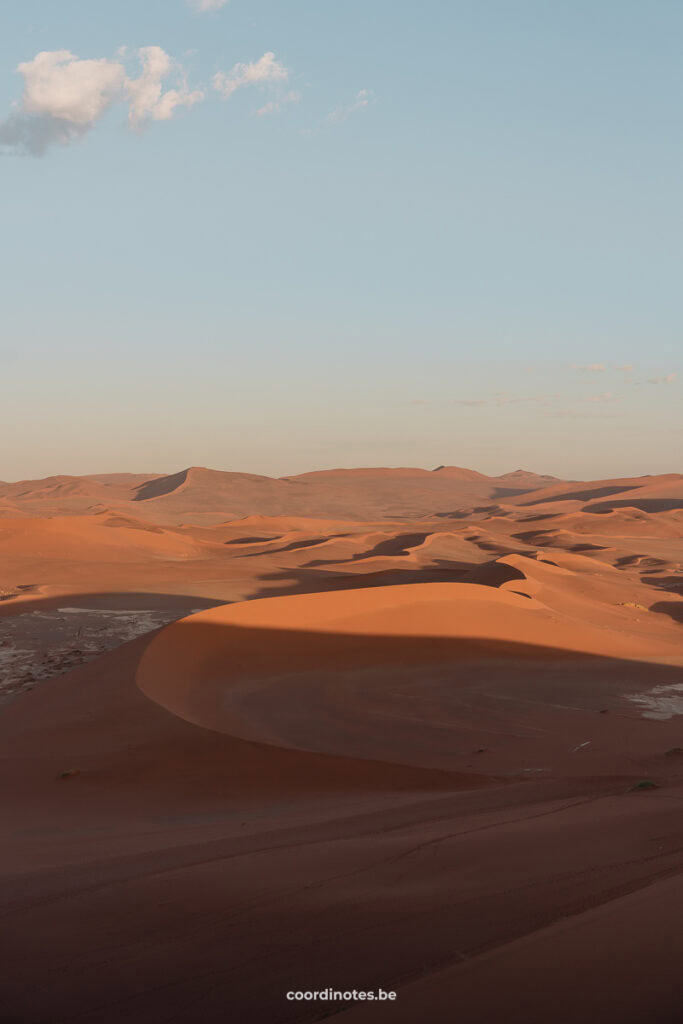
x,y
357,729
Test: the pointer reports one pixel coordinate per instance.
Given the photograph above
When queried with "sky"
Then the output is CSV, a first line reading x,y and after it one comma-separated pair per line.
x,y
283,235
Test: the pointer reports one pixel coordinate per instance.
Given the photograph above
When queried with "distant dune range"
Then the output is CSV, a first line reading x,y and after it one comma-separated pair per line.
x,y
200,495
424,735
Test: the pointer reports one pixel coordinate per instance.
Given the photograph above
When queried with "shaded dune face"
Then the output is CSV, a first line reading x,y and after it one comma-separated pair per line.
x,y
419,675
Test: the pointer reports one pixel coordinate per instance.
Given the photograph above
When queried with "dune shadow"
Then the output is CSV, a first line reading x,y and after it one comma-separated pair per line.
x,y
545,538
579,548
509,492
397,699
580,495
394,547
670,584
251,540
643,504
673,609
295,545
311,578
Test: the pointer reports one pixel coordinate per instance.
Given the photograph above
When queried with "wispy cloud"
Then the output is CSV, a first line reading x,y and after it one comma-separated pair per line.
x,y
669,378
207,5
275,106
148,100
343,111
605,396
589,367
64,97
266,71
504,398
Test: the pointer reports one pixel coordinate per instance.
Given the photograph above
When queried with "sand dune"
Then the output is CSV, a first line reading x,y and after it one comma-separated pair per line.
x,y
618,522
397,749
107,485
91,539
524,478
346,653
207,497
440,741
202,495
620,490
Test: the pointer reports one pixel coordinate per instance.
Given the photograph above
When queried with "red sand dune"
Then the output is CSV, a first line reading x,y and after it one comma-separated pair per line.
x,y
265,658
204,495
608,493
197,494
90,539
222,871
409,767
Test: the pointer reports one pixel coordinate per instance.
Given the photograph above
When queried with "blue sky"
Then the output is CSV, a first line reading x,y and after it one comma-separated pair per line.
x,y
448,231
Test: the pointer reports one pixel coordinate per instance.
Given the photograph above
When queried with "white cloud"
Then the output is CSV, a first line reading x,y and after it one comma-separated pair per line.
x,y
670,378
64,97
60,85
344,111
207,5
266,71
148,101
626,367
275,106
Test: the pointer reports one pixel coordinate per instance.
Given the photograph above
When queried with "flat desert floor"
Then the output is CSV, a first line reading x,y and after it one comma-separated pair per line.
x,y
376,729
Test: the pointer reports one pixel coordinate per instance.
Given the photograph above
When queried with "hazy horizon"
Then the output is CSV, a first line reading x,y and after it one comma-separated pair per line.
x,y
173,471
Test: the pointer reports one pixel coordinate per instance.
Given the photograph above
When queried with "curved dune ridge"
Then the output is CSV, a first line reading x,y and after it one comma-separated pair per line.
x,y
387,672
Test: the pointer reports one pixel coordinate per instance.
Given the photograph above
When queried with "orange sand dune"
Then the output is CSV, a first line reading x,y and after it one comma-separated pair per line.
x,y
106,486
383,786
287,524
523,478
619,522
208,668
607,493
662,495
90,538
404,757
205,496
